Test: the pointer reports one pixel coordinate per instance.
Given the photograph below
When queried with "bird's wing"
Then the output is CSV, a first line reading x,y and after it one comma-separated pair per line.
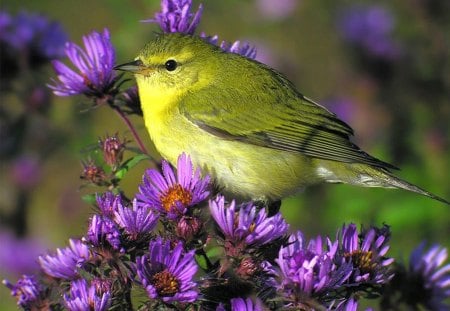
x,y
259,113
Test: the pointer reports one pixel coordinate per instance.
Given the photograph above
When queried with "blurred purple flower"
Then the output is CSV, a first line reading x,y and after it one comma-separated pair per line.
x,y
366,251
276,10
33,33
343,107
167,273
25,172
172,195
28,292
18,255
83,296
137,222
102,232
95,75
370,27
65,264
246,224
176,16
426,270
308,271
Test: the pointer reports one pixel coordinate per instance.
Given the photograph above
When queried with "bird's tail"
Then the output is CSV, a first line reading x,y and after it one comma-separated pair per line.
x,y
369,176
395,182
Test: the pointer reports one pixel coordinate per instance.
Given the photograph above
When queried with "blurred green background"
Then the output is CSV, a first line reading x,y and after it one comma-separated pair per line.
x,y
398,106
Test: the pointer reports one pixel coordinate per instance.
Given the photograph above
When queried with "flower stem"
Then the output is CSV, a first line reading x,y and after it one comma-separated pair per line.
x,y
131,127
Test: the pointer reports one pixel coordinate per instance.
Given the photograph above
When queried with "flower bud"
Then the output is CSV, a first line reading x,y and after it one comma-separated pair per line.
x,y
189,227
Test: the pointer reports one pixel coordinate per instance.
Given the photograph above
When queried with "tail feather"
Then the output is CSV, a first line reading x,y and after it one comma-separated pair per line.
x,y
396,182
368,176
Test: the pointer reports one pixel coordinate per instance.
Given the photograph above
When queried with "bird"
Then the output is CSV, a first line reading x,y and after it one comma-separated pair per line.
x,y
245,124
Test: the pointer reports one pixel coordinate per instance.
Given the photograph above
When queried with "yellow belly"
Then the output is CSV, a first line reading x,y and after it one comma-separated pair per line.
x,y
242,170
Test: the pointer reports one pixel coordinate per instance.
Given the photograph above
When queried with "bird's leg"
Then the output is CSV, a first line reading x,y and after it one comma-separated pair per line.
x,y
273,207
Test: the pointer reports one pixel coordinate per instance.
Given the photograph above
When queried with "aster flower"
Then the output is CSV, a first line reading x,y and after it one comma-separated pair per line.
x,y
427,279
33,33
107,203
366,252
65,264
245,49
308,271
102,232
370,27
247,223
28,291
94,75
241,304
113,149
93,173
137,222
18,255
176,16
167,273
83,296
172,195
130,99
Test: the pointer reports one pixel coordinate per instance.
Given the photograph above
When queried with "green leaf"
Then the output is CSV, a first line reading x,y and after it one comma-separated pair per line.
x,y
129,164
89,198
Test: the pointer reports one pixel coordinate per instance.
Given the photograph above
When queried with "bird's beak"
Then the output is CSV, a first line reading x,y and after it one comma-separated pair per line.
x,y
136,67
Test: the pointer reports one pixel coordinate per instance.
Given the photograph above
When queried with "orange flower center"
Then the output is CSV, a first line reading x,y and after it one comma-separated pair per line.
x,y
165,283
175,194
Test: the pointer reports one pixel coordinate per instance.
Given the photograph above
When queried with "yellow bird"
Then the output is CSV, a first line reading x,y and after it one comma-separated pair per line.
x,y
245,124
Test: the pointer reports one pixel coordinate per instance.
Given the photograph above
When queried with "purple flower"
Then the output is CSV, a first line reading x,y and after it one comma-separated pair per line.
x,y
370,27
172,195
246,224
167,273
432,278
241,304
108,203
95,75
113,148
83,296
245,50
18,255
27,291
344,108
137,222
33,33
130,98
102,232
65,264
176,16
365,251
309,270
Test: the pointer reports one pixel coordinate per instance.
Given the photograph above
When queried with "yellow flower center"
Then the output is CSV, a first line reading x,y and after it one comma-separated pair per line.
x,y
362,260
174,194
165,283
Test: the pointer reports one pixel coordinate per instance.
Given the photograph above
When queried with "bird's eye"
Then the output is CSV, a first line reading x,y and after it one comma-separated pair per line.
x,y
171,65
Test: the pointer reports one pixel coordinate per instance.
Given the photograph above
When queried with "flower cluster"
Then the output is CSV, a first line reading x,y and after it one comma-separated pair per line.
x,y
156,242
254,265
